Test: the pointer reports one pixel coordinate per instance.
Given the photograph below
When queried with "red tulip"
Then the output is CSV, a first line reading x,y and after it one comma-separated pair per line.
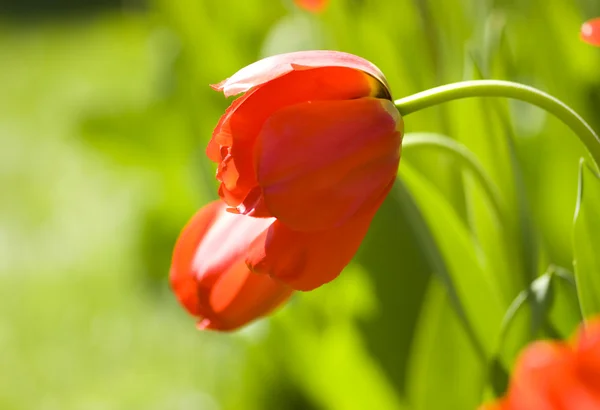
x,y
314,6
314,141
590,31
209,275
210,271
306,156
557,375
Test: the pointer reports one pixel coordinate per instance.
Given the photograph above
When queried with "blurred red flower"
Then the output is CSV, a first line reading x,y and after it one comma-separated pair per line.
x,y
314,6
590,31
557,375
305,158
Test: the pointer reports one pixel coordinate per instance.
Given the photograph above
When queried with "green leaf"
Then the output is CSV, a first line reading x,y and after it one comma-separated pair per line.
x,y
586,240
546,309
564,314
399,263
476,288
438,378
524,320
327,356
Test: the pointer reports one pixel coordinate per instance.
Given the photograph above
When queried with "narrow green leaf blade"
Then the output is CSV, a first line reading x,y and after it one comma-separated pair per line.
x,y
476,288
586,241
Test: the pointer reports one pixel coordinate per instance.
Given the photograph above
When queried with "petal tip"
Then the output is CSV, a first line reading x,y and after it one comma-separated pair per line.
x,y
203,324
219,86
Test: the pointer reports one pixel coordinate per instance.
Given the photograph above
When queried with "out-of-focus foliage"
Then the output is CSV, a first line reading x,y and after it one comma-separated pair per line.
x,y
586,238
104,117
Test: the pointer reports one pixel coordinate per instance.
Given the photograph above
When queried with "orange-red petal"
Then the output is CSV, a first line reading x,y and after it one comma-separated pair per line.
x,y
314,6
240,296
590,31
270,68
307,260
498,405
209,276
538,373
587,348
320,163
556,375
234,137
182,278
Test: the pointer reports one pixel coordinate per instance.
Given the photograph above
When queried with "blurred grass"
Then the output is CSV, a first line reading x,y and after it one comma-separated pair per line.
x,y
103,122
78,330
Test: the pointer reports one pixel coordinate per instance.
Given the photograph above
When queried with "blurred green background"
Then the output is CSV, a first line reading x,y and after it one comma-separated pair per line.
x,y
105,111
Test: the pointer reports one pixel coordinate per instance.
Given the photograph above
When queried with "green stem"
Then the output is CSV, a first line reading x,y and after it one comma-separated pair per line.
x,y
507,89
467,159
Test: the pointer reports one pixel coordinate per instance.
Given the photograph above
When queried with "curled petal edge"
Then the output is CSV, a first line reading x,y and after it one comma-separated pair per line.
x,y
273,67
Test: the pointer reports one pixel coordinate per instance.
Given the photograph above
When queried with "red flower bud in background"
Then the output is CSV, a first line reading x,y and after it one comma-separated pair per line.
x,y
209,275
590,32
210,272
557,375
314,6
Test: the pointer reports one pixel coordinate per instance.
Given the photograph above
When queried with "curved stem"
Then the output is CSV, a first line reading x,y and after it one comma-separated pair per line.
x,y
466,158
497,88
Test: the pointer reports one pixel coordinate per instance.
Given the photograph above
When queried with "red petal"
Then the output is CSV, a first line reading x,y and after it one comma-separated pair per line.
x,y
183,280
542,369
221,136
233,140
209,275
240,296
307,260
590,32
588,354
320,163
314,6
270,68
553,375
499,405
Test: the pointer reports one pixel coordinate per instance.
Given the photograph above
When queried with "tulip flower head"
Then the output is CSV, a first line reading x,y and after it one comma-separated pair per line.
x,y
305,158
313,141
209,275
590,32
557,375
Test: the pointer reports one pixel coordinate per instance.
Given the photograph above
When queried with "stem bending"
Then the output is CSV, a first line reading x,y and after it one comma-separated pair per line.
x,y
507,89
